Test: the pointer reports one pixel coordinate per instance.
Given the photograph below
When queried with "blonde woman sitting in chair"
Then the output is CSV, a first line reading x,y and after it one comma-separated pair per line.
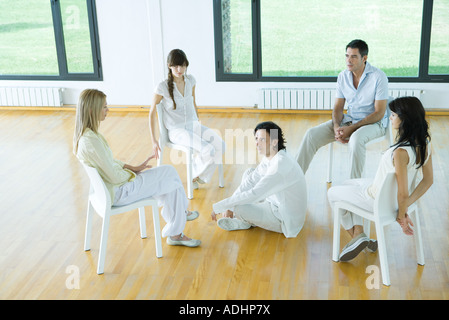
x,y
127,183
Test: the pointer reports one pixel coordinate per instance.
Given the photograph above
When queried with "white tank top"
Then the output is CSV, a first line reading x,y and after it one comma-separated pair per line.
x,y
386,165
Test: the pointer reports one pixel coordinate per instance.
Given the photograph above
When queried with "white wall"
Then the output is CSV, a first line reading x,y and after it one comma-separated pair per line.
x,y
136,36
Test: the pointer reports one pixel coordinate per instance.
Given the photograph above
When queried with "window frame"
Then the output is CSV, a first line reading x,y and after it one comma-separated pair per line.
x,y
256,76
64,75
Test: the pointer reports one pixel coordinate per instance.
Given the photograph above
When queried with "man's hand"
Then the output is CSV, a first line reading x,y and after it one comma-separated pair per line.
x,y
227,214
344,133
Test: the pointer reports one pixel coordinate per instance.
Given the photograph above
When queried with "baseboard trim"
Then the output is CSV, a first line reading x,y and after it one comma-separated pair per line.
x,y
124,108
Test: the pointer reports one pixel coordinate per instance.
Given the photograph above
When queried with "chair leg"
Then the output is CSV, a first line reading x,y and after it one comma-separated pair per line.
x,y
143,228
88,232
336,241
367,227
329,168
418,237
189,159
382,248
103,244
157,231
220,176
159,160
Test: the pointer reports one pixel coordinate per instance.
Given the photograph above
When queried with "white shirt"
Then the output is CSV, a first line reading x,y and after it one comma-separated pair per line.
x,y
184,114
373,86
279,181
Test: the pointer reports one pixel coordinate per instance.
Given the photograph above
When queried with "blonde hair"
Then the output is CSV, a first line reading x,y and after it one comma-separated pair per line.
x,y
88,113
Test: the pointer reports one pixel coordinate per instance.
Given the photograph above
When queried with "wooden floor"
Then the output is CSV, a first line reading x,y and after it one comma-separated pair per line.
x,y
44,189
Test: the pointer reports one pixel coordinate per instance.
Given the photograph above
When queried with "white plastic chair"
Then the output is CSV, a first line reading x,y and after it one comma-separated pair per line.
x,y
385,213
388,136
100,201
164,141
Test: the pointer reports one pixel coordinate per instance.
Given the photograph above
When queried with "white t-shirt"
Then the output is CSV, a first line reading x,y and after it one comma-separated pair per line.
x,y
185,113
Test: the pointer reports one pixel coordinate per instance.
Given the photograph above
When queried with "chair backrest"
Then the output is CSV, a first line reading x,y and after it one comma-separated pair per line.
x,y
163,132
386,203
389,131
99,195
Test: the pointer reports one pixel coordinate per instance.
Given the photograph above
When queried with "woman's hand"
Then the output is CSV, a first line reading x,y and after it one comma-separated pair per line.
x,y
406,224
156,149
144,165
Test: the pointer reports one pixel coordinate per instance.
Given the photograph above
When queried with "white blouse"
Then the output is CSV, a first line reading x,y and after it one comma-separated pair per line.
x,y
279,181
184,114
94,151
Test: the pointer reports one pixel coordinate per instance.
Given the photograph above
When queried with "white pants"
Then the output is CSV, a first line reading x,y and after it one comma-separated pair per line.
x,y
260,214
353,191
323,134
207,144
163,184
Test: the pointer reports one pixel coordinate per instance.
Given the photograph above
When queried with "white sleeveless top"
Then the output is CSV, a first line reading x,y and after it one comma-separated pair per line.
x,y
386,166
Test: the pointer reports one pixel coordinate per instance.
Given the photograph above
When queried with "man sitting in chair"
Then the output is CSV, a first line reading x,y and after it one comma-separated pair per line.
x,y
365,89
272,196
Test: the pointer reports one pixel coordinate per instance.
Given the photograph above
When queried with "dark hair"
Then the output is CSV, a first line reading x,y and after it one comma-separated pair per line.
x,y
274,131
176,57
359,44
413,130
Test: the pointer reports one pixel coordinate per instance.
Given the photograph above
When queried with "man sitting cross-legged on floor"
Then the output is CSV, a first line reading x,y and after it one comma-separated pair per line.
x,y
272,196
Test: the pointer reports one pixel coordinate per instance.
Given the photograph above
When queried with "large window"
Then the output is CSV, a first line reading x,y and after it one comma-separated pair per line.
x,y
305,40
49,40
439,43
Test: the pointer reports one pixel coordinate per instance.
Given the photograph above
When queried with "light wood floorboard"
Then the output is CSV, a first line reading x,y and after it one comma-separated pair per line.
x,y
44,191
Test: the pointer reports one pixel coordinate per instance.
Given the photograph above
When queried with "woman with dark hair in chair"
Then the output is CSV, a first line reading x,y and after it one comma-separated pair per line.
x,y
410,153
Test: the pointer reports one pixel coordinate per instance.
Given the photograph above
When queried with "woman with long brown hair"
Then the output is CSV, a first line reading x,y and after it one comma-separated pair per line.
x,y
411,153
177,96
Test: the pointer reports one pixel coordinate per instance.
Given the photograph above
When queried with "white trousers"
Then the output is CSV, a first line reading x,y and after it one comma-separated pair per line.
x,y
163,184
352,191
207,144
323,134
260,214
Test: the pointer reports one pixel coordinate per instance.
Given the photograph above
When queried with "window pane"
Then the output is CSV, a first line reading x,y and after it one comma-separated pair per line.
x,y
308,37
237,36
439,42
75,22
27,40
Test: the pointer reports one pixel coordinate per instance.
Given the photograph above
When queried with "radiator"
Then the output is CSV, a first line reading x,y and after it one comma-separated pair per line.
x,y
311,99
405,93
31,97
296,98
